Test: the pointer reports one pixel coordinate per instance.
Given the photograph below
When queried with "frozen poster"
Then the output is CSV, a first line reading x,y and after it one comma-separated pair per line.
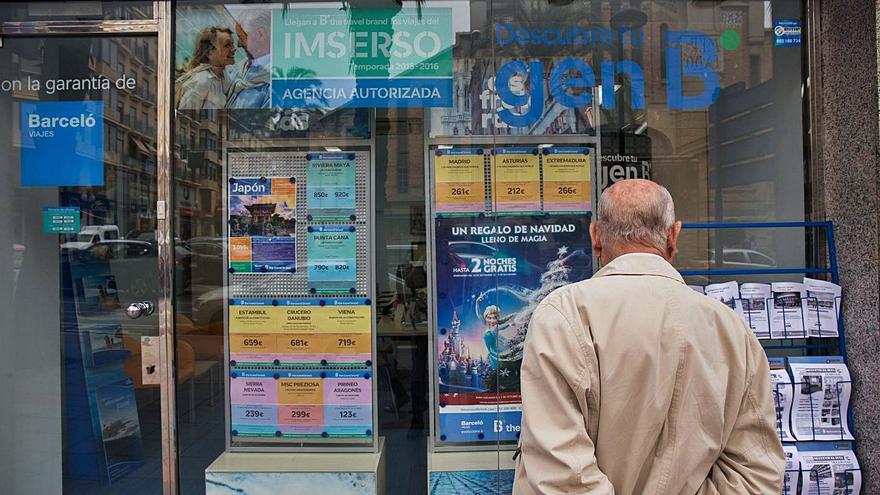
x,y
491,274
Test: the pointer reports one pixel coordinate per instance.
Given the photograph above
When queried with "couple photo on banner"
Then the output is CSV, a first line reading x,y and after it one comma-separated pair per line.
x,y
210,79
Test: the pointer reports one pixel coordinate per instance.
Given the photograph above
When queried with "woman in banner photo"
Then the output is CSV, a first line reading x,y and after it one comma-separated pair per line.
x,y
204,85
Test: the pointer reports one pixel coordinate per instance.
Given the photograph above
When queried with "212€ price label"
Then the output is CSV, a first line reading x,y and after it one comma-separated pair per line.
x,y
516,179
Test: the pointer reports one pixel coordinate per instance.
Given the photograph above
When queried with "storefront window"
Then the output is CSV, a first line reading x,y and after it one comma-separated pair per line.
x,y
78,374
373,196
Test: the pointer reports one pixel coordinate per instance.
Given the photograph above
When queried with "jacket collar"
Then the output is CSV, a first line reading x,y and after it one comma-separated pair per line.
x,y
640,264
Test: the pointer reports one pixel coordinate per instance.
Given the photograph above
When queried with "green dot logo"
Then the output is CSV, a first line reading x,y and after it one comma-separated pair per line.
x,y
730,40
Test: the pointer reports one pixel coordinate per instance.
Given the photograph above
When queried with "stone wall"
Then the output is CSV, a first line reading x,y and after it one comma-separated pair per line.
x,y
848,116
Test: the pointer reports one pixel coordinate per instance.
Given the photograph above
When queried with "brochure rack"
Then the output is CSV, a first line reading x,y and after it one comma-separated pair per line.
x,y
799,344
837,388
807,345
812,478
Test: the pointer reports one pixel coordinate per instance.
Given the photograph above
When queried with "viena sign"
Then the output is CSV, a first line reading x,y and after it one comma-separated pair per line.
x,y
570,80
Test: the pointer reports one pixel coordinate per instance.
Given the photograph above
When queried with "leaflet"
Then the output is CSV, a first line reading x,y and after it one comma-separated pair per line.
x,y
829,469
822,390
698,288
792,469
754,303
727,293
786,310
823,308
783,395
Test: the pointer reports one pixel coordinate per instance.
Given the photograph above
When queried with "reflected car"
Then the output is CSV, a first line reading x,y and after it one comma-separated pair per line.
x,y
744,258
130,250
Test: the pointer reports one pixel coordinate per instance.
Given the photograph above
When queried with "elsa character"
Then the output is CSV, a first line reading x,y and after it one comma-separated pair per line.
x,y
495,342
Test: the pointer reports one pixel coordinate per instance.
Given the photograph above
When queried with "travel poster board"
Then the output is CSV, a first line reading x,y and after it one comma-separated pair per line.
x,y
566,179
459,180
516,179
301,403
332,258
304,332
262,223
491,273
331,186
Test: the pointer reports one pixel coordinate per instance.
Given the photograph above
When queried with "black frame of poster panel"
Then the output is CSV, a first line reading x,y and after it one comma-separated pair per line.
x,y
363,147
593,143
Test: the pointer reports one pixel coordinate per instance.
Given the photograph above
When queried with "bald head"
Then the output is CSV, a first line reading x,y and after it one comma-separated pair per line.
x,y
635,216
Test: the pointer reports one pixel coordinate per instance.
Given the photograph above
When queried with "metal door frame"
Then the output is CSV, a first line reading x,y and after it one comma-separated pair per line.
x,y
160,26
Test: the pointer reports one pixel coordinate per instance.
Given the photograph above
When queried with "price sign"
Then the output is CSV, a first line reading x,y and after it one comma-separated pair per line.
x,y
311,415
566,179
300,391
254,414
253,391
356,390
347,415
459,180
331,185
332,255
516,179
252,348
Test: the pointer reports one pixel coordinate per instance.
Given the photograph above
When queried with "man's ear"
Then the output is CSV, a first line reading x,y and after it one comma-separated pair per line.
x,y
594,239
672,240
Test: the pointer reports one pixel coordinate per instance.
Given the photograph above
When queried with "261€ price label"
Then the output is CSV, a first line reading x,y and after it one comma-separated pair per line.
x,y
459,180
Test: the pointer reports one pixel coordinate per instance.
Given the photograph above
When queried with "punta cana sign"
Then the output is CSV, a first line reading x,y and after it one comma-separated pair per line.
x,y
326,58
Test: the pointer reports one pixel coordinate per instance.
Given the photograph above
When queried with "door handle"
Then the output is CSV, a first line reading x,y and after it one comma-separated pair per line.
x,y
136,310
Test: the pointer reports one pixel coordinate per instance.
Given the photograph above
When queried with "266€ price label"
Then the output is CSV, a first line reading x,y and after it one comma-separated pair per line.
x,y
566,179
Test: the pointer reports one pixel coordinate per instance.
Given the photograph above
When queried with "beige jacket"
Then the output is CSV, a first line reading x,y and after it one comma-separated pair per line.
x,y
632,383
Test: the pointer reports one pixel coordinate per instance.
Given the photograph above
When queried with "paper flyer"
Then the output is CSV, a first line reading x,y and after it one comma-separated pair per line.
x,y
331,186
783,395
120,428
792,475
301,403
755,298
492,273
698,289
313,332
332,258
516,179
829,468
459,180
786,310
822,390
262,222
566,179
727,293
823,308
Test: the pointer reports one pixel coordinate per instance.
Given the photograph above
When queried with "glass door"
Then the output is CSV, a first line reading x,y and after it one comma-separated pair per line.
x,y
80,293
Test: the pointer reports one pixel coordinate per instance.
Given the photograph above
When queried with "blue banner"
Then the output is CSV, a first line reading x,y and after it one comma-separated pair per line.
x,y
62,143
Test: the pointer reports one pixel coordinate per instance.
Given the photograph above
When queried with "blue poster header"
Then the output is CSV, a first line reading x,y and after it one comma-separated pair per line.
x,y
62,143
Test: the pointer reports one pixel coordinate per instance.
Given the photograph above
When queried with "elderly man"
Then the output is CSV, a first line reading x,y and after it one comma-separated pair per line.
x,y
632,383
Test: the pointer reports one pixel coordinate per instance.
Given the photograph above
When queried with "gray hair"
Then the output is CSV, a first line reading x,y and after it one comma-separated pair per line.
x,y
251,18
644,217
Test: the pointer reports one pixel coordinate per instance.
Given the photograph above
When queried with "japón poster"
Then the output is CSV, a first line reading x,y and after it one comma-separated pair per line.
x,y
491,274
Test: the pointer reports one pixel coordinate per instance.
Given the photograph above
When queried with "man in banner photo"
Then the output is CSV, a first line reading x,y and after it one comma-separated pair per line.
x,y
491,274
